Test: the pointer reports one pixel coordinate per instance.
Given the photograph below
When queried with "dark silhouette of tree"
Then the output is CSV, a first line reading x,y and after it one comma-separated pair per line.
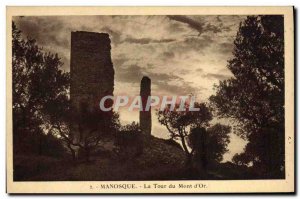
x,y
240,159
129,141
94,126
254,97
37,81
179,123
83,130
209,145
41,104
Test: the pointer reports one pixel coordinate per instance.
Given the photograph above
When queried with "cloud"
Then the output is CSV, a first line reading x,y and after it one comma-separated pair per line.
x,y
170,83
181,88
216,76
43,30
218,18
129,74
199,70
163,82
144,41
134,73
226,47
199,25
175,27
48,33
184,71
213,28
168,55
196,25
116,35
119,61
196,44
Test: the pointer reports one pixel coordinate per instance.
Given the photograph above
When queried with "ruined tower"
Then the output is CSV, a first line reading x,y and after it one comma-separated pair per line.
x,y
145,116
92,72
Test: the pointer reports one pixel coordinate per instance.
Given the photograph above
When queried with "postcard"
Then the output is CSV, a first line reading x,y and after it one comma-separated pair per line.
x,y
143,100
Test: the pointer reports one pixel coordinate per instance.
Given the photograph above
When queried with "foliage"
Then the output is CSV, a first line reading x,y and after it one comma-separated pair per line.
x,y
218,139
241,159
255,95
134,127
41,103
84,129
179,123
209,145
38,81
129,141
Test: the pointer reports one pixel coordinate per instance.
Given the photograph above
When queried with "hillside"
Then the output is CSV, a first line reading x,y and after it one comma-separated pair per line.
x,y
161,159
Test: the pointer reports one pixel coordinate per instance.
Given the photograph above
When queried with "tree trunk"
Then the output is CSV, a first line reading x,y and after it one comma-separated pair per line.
x,y
184,145
73,153
188,162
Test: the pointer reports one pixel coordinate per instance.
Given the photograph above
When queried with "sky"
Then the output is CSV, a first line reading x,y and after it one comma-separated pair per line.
x,y
181,54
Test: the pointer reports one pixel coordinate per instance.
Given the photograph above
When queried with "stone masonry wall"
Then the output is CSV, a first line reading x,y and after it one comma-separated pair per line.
x,y
92,72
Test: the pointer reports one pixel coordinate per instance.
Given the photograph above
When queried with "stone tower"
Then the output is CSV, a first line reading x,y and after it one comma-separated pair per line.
x,y
145,116
92,72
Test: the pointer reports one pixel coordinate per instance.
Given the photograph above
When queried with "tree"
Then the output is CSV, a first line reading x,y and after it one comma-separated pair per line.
x,y
129,141
41,104
241,159
83,130
209,145
38,80
254,97
179,123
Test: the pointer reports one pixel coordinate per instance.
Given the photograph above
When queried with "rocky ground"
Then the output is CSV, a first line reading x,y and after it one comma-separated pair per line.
x,y
160,160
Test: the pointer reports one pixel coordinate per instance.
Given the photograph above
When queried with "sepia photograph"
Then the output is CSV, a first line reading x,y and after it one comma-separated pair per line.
x,y
164,100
